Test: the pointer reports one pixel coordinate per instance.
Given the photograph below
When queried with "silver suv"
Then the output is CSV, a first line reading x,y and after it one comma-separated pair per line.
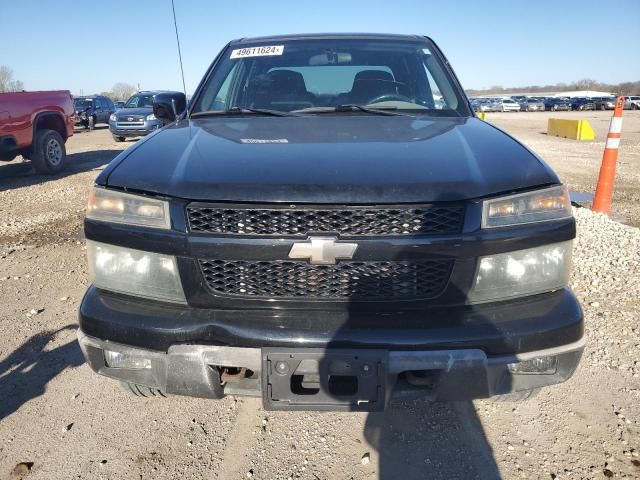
x,y
136,119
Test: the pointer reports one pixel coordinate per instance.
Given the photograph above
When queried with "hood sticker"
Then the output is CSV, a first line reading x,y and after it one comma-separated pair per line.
x,y
264,140
257,51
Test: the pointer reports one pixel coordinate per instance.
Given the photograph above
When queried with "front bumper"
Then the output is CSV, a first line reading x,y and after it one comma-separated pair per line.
x,y
149,126
465,349
453,374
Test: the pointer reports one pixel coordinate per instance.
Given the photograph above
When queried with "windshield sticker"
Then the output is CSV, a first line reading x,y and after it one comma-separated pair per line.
x,y
264,140
257,51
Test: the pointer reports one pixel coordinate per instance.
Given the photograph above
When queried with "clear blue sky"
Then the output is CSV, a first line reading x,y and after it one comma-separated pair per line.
x,y
90,45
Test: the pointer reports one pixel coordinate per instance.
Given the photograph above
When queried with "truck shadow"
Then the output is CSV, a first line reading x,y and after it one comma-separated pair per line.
x,y
21,174
418,439
25,373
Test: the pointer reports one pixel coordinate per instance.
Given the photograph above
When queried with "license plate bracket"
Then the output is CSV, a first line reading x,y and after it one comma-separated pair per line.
x,y
319,379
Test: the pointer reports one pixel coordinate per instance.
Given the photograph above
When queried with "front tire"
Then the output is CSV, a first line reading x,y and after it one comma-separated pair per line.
x,y
117,138
49,153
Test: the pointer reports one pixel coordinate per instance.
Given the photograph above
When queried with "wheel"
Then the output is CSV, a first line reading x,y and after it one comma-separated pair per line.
x,y
520,396
49,154
555,108
117,138
142,391
634,106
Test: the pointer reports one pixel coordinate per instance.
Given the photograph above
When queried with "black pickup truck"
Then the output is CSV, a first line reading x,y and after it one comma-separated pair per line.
x,y
327,226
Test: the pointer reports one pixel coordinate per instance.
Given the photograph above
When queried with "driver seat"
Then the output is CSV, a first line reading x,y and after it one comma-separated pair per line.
x,y
369,84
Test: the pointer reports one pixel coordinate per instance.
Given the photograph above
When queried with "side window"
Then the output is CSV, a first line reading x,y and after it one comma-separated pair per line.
x,y
438,102
222,100
444,96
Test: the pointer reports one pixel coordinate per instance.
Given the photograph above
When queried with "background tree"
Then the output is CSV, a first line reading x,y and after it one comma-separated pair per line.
x,y
7,83
624,88
122,91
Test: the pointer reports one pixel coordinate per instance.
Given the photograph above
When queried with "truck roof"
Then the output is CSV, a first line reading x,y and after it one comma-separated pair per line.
x,y
330,36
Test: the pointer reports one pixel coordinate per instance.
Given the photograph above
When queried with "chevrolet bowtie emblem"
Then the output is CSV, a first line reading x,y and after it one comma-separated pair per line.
x,y
323,250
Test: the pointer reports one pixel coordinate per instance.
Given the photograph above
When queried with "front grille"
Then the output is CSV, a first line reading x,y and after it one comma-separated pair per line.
x,y
282,279
134,118
400,220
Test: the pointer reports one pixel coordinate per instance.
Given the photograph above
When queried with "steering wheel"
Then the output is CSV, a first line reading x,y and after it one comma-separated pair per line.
x,y
389,97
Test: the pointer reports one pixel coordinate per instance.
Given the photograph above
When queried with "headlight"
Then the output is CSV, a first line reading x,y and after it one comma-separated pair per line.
x,y
134,272
537,206
118,207
113,117
523,272
151,117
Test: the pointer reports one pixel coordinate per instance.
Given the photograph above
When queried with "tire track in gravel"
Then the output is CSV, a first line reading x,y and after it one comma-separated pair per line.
x,y
239,445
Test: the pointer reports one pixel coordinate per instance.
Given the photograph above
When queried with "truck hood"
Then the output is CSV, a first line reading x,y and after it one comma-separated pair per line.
x,y
135,111
328,159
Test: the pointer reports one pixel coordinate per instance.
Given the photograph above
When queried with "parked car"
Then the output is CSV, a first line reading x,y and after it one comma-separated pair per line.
x,y
119,104
531,105
485,105
92,110
326,239
136,119
36,125
507,105
582,103
556,103
632,102
604,103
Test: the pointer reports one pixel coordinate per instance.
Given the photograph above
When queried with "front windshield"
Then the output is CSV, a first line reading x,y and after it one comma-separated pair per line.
x,y
82,103
322,74
138,101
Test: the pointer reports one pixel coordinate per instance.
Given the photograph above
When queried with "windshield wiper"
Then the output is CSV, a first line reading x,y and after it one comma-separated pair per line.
x,y
352,107
239,111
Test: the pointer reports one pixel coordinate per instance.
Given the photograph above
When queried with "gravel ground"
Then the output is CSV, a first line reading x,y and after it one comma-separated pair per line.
x,y
58,420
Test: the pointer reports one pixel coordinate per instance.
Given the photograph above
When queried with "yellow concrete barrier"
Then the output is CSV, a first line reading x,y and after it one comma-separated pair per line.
x,y
481,115
574,129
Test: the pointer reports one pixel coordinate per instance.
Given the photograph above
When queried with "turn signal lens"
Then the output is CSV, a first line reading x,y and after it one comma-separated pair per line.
x,y
535,366
114,206
122,360
537,206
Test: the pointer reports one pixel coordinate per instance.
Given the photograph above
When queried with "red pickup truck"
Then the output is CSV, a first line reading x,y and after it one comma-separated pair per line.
x,y
36,125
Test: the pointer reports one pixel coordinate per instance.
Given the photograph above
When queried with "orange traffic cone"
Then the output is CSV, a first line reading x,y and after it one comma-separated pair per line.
x,y
604,189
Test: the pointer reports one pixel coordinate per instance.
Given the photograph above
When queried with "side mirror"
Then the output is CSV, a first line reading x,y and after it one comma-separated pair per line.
x,y
169,106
